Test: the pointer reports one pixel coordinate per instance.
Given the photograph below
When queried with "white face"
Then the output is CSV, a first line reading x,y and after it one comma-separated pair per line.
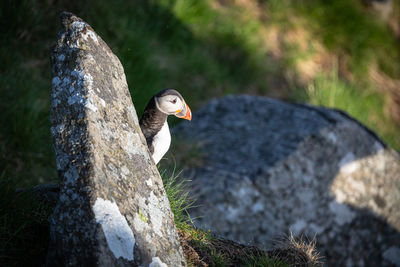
x,y
170,104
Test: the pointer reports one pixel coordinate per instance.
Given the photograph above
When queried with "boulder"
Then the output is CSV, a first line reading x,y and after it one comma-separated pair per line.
x,y
266,168
112,208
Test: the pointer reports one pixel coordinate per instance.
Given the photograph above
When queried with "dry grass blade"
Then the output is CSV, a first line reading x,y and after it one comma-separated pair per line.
x,y
296,251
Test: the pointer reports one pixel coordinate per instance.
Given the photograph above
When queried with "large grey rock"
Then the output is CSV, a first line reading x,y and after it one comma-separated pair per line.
x,y
112,209
270,167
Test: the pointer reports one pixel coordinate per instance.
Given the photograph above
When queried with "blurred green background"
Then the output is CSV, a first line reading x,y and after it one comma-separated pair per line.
x,y
339,54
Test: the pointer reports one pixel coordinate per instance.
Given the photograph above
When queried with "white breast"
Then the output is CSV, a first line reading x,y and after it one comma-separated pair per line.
x,y
161,143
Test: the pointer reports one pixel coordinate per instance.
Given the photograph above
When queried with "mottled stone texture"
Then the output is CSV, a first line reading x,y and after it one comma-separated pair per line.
x,y
272,167
112,209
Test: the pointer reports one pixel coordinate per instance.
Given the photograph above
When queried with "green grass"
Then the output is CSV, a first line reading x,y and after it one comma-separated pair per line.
x,y
173,45
364,38
219,259
177,191
26,153
346,28
330,91
263,261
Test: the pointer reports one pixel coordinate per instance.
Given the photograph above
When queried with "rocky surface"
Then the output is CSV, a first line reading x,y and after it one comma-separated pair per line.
x,y
112,208
270,167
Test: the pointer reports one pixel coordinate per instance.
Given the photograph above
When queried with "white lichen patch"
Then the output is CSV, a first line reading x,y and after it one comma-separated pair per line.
x,y
90,105
75,89
102,102
88,81
125,170
76,98
139,224
232,212
62,160
340,196
55,102
316,229
378,146
149,182
332,137
57,129
55,82
350,167
348,158
78,25
258,206
90,34
129,141
298,226
392,255
156,214
156,262
119,235
66,81
71,175
342,213
63,198
61,57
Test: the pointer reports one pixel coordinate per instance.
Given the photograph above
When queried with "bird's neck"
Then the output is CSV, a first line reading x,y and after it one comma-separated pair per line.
x,y
152,120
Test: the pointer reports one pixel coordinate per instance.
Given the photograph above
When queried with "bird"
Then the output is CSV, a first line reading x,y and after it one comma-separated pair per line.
x,y
153,122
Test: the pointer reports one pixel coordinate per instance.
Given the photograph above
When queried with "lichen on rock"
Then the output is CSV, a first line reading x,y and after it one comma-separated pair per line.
x,y
119,235
107,176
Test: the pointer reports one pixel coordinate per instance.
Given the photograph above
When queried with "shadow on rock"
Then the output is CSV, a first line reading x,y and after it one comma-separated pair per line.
x,y
272,167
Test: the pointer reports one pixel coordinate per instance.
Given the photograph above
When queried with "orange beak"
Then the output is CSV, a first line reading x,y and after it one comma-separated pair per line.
x,y
186,114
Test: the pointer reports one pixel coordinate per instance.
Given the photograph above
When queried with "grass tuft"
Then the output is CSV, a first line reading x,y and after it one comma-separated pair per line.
x,y
177,191
263,261
296,252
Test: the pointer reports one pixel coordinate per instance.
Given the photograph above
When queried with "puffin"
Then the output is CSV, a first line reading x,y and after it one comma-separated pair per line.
x,y
153,122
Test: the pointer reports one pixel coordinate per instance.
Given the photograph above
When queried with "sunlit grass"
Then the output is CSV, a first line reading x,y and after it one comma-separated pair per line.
x,y
345,27
366,105
179,198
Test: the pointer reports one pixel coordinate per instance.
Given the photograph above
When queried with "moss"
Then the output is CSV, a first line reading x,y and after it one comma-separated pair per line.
x,y
143,217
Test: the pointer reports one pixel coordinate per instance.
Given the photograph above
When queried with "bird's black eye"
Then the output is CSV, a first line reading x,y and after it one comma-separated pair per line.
x,y
173,101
